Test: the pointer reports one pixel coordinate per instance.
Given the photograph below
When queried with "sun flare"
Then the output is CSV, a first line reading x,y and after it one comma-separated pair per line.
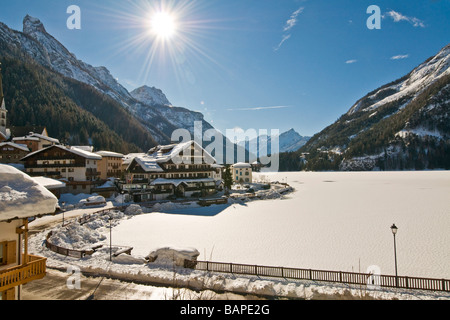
x,y
163,25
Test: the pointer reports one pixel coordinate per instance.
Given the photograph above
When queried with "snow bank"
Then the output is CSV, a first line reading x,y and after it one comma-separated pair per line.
x,y
171,255
76,236
133,210
84,236
23,197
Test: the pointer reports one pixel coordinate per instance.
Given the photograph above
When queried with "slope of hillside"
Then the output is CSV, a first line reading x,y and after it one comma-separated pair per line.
x,y
36,44
402,125
70,110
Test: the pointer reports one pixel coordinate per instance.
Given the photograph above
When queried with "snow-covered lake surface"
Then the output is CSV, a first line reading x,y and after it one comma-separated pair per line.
x,y
333,221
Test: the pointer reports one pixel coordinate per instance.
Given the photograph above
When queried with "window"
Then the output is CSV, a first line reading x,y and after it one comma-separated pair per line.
x,y
7,252
2,251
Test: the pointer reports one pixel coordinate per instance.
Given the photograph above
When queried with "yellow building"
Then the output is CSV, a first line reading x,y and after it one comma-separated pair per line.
x,y
242,173
110,166
22,198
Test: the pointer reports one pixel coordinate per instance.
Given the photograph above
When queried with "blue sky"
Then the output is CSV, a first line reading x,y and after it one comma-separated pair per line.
x,y
260,64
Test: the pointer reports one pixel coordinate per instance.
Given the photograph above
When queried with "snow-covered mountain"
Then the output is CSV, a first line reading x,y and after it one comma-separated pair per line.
x,y
150,96
409,87
402,125
289,141
149,105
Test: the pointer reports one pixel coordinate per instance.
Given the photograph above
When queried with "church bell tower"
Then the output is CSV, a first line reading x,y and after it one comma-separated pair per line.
x,y
3,110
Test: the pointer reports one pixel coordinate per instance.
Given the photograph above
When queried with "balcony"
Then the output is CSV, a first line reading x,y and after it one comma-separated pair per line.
x,y
35,269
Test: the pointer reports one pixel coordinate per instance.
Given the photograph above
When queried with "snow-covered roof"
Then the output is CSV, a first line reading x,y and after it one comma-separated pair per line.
x,y
49,183
15,145
148,164
109,154
242,165
85,148
86,154
22,197
168,152
127,159
41,136
35,137
82,153
26,139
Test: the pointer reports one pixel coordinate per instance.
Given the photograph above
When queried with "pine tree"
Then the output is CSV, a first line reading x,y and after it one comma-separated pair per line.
x,y
227,177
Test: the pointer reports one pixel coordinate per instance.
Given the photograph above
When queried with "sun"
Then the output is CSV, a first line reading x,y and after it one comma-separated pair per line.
x,y
163,25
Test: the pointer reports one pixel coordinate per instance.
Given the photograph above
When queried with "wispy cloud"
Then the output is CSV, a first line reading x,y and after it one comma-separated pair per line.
x,y
290,23
258,108
400,56
397,17
351,61
293,19
285,38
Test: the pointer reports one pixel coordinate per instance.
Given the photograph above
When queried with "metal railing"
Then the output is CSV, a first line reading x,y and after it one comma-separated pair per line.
x,y
402,282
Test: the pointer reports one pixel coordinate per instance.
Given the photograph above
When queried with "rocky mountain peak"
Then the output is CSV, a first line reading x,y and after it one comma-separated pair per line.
x,y
150,96
31,25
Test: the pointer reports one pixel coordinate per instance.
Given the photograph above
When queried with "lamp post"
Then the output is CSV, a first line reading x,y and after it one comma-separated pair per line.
x,y
394,232
110,238
122,193
63,210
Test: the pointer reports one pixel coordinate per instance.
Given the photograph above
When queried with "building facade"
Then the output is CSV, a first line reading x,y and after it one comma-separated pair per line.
x,y
178,170
36,141
242,173
110,166
76,167
12,152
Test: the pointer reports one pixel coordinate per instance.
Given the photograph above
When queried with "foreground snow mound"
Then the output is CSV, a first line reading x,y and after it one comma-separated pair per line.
x,y
76,236
128,260
133,210
22,197
173,255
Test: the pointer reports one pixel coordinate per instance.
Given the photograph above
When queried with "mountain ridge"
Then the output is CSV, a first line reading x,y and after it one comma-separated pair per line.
x,y
158,118
387,129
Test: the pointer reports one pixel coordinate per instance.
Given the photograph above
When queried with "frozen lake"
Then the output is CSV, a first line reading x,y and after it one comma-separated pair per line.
x,y
333,221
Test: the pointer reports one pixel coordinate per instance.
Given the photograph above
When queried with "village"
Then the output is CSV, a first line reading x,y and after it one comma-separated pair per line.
x,y
41,177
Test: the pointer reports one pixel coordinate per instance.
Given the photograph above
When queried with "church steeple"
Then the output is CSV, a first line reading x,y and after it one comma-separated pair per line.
x,y
2,107
1,87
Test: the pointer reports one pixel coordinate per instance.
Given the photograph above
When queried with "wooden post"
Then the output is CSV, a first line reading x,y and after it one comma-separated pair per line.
x,y
25,255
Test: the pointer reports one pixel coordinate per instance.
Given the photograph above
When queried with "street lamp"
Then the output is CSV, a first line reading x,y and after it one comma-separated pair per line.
x,y
394,232
110,238
63,204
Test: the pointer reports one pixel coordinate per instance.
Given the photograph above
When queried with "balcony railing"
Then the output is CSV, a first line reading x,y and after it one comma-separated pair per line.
x,y
35,269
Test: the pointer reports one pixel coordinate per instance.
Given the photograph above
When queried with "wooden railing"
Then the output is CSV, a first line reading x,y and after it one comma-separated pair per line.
x,y
388,281
35,269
